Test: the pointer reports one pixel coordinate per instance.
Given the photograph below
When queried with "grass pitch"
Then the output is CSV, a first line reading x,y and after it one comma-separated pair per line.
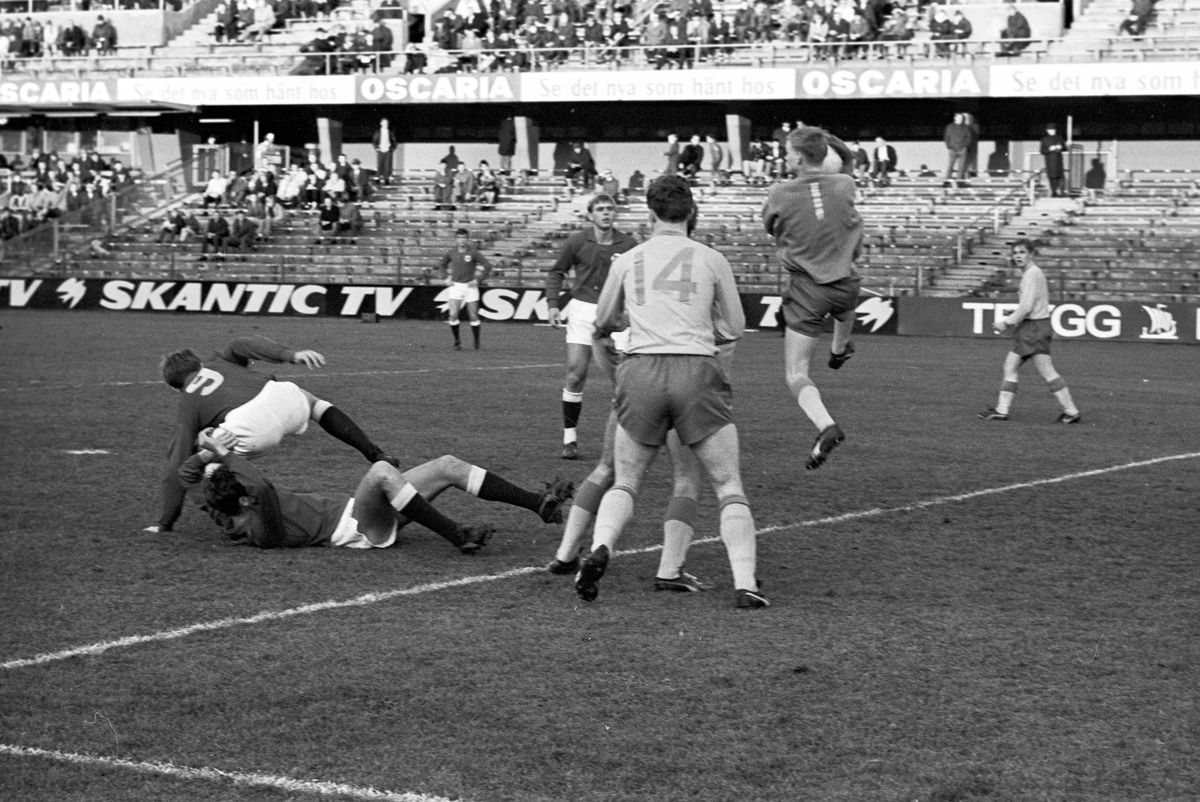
x,y
961,609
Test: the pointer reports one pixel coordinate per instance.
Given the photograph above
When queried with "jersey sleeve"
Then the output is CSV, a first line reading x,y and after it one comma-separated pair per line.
x,y
729,320
487,265
244,349
610,309
173,492
558,272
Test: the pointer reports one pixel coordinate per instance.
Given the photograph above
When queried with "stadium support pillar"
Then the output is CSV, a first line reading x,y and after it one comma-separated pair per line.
x,y
329,133
737,133
528,139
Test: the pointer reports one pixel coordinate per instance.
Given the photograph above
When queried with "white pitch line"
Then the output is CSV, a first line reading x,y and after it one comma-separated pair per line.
x,y
372,598
254,779
290,376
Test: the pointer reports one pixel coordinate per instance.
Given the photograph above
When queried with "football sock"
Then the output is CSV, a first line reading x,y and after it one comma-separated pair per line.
x,y
809,399
1058,388
678,531
572,406
490,487
1008,391
737,531
579,519
454,331
409,503
475,332
615,511
338,424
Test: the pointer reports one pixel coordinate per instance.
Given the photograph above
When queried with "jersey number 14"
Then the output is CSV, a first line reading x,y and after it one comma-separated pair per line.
x,y
665,281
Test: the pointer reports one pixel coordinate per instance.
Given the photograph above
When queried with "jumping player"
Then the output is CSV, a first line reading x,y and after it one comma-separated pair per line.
x,y
460,271
254,408
1031,333
681,302
819,236
590,253
253,510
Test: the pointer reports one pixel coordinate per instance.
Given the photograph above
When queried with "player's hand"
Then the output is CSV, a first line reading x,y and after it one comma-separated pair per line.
x,y
473,283
309,359
191,471
215,442
999,327
447,281
557,318
155,529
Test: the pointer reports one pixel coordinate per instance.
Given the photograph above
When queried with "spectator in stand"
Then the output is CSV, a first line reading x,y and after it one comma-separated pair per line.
x,y
384,141
862,161
1052,147
609,185
350,219
358,183
1095,179
1016,32
506,146
464,189
962,29
470,47
450,161
896,29
957,137
382,42
226,29
883,163
716,159
273,215
677,53
327,221
941,30
242,233
216,238
488,185
236,189
654,38
173,226
1140,15
292,186
262,21
581,167
72,40
214,190
672,154
692,158
104,37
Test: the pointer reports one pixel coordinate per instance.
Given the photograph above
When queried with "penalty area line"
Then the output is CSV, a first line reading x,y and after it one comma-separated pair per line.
x,y
253,779
430,587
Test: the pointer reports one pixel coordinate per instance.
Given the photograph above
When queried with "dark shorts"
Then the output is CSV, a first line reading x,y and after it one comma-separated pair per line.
x,y
806,303
658,392
1032,337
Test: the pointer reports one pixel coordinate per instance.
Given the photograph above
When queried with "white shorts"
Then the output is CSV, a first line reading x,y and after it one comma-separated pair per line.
x,y
348,536
279,409
581,321
581,324
463,292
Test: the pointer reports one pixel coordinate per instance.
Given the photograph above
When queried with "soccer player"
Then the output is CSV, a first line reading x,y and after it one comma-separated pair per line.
x,y
1031,333
460,271
257,410
590,253
253,510
819,236
681,304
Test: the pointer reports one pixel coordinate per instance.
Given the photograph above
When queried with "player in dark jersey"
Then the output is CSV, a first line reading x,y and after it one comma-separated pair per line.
x,y
254,511
461,273
589,253
819,236
254,408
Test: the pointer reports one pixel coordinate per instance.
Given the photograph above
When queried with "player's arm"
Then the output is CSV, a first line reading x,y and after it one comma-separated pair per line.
x,y
610,309
729,320
769,216
173,492
444,266
1025,299
556,275
480,259
245,349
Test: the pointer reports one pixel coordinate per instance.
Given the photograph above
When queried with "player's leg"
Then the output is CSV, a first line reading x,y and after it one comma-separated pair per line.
x,y
452,319
719,455
631,461
1058,388
447,471
841,349
679,526
579,358
587,503
341,426
1008,388
798,350
473,316
384,493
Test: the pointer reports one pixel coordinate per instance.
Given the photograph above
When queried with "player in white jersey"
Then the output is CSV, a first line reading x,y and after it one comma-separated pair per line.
x,y
1031,333
681,303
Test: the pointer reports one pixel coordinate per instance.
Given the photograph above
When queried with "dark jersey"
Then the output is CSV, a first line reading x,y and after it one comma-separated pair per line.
x,y
461,266
279,518
591,261
222,384
815,225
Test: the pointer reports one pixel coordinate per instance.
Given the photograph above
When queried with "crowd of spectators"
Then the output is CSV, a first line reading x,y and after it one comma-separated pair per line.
x,y
49,185
27,38
457,184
